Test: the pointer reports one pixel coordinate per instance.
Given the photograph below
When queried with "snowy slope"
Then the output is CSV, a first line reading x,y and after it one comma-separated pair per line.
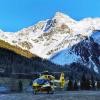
x,y
65,57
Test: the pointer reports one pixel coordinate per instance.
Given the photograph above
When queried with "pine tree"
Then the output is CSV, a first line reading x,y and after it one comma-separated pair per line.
x,y
20,86
83,82
98,85
92,82
75,86
70,85
87,84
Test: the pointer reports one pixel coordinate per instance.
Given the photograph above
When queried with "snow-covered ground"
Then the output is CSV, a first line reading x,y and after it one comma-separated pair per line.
x,y
76,95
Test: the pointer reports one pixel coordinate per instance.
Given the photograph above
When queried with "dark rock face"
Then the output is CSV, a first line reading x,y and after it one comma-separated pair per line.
x,y
87,48
89,51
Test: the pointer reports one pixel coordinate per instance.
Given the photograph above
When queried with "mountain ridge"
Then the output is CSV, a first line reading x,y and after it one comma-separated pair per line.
x,y
42,35
60,35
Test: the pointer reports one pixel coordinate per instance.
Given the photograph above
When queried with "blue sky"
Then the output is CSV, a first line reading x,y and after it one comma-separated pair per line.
x,y
17,14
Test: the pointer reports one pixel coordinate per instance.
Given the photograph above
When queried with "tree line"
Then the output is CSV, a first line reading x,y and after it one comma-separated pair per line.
x,y
83,84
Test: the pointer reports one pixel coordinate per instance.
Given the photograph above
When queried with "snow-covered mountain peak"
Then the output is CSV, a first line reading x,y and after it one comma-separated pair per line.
x,y
62,18
60,15
52,35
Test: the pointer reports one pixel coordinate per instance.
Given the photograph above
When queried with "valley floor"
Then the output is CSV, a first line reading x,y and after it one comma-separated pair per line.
x,y
68,95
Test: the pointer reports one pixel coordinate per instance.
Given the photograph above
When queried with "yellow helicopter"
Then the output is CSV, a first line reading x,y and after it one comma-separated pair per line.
x,y
47,83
